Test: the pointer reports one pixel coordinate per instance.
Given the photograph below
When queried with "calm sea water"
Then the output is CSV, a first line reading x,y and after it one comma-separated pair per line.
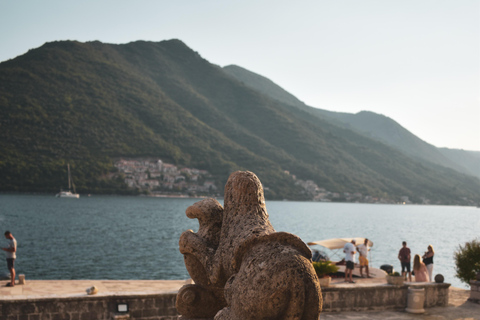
x,y
110,237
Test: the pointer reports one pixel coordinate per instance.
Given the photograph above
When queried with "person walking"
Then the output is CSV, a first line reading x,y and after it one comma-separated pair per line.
x,y
363,257
421,272
349,250
428,260
11,250
405,258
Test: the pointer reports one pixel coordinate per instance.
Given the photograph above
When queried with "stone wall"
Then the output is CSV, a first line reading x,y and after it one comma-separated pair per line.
x,y
381,297
475,291
162,306
141,307
436,295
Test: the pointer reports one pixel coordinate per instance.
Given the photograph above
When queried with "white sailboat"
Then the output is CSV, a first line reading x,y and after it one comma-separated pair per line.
x,y
68,194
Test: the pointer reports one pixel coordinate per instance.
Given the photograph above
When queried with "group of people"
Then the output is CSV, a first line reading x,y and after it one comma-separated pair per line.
x,y
422,266
350,250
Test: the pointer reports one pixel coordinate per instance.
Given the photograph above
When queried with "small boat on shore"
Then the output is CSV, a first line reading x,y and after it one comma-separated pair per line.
x,y
336,246
68,194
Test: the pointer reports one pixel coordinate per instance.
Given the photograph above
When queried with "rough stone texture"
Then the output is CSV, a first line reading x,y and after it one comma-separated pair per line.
x,y
475,291
439,278
381,297
436,294
162,306
242,268
144,307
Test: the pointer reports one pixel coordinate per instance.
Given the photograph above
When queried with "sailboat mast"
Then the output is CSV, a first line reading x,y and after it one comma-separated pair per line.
x,y
69,184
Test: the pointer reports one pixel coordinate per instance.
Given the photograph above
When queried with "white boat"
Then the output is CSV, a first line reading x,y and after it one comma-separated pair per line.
x,y
68,194
336,246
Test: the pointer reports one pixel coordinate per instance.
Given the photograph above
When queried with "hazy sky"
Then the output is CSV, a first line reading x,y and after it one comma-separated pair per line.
x,y
415,61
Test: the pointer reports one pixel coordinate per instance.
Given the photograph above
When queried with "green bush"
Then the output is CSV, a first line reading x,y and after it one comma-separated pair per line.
x,y
467,261
323,268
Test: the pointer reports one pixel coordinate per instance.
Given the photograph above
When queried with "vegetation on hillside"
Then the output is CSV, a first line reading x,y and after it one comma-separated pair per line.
x,y
87,103
375,126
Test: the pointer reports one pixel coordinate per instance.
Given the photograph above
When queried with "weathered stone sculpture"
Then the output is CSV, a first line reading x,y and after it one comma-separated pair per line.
x,y
241,267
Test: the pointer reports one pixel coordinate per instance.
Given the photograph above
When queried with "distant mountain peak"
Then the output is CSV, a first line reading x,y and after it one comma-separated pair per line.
x,y
88,103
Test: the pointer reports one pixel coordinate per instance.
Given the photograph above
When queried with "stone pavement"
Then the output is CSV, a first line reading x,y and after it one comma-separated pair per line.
x,y
38,289
459,308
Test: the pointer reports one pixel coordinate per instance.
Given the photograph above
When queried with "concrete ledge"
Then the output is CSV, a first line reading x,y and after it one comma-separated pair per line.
x,y
68,300
474,291
381,297
155,300
151,307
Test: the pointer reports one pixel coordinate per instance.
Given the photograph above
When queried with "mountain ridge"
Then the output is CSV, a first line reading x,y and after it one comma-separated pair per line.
x,y
86,103
376,126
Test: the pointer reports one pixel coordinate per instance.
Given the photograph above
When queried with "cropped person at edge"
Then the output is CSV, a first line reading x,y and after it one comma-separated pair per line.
x,y
11,250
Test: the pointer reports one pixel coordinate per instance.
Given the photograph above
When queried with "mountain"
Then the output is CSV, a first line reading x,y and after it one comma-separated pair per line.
x,y
375,126
468,160
89,103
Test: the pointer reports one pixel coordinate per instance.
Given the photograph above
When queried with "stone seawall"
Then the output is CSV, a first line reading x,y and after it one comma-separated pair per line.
x,y
381,297
475,291
161,306
141,307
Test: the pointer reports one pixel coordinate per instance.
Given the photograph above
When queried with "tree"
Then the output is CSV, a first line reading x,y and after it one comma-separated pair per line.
x,y
467,261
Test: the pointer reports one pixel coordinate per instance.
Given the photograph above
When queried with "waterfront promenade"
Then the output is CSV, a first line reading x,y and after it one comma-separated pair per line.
x,y
43,289
458,308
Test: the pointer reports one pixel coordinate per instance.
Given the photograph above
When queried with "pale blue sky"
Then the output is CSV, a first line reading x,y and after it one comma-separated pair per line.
x,y
416,61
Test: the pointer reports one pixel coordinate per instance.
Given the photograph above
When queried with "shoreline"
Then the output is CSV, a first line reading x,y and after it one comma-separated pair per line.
x,y
181,196
152,299
74,288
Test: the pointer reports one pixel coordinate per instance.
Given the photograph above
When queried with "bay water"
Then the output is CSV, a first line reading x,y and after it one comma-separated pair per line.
x,y
119,237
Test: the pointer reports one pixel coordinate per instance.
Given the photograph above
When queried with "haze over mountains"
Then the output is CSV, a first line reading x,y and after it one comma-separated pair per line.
x,y
372,125
89,103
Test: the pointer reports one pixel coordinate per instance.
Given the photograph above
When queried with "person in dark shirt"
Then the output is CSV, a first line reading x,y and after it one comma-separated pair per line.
x,y
405,257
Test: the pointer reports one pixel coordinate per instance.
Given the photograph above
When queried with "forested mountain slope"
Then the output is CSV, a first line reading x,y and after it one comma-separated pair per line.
x,y
87,103
376,126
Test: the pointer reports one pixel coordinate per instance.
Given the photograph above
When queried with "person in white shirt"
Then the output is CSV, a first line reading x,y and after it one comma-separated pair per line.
x,y
363,258
11,250
349,250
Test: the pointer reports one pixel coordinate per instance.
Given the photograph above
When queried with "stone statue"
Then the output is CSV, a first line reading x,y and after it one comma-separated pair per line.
x,y
241,267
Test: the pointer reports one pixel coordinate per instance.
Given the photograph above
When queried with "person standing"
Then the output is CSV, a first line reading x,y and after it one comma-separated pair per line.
x,y
363,257
428,260
11,250
349,250
405,258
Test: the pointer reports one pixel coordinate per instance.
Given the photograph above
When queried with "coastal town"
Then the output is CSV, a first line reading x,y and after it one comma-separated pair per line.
x,y
316,193
157,178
